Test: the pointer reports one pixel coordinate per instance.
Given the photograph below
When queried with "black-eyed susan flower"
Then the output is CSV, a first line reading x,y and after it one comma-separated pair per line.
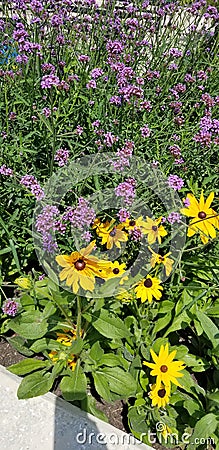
x,y
148,288
112,235
66,338
205,219
114,270
164,368
153,230
80,268
160,395
71,360
131,224
159,259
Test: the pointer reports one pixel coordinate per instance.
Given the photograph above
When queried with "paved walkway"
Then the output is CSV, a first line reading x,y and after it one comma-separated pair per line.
x,y
50,423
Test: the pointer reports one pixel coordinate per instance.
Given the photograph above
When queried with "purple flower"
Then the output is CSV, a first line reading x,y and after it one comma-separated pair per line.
x,y
91,84
124,155
41,277
49,80
115,100
46,112
175,182
96,73
81,216
110,139
86,236
61,156
30,182
79,130
186,202
46,220
174,217
10,307
84,58
123,214
49,245
145,131
175,150
126,190
135,234
114,47
6,171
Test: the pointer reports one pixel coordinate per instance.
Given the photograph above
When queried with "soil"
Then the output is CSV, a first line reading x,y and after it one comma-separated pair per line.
x,y
116,412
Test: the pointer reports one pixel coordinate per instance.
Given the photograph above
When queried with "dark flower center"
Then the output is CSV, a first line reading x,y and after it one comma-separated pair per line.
x,y
202,215
79,264
164,368
116,270
113,232
161,258
161,393
154,228
148,283
132,223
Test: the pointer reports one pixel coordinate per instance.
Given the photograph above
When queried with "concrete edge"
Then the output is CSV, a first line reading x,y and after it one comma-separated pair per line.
x,y
11,381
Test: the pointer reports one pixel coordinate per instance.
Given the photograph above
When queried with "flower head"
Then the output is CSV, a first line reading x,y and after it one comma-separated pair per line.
x,y
10,307
205,219
148,288
111,234
159,395
80,269
164,368
153,231
159,259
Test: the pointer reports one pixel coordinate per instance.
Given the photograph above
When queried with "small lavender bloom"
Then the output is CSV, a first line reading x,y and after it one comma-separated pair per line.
x,y
175,182
49,80
10,307
145,131
79,130
155,163
41,277
135,234
81,216
86,236
110,139
175,150
186,202
84,58
179,161
115,100
6,171
123,214
96,73
30,182
46,112
96,124
91,84
163,219
46,220
61,156
126,190
174,217
49,245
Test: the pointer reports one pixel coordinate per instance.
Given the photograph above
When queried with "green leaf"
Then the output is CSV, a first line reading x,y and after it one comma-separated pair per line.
x,y
205,427
76,346
210,329
14,251
162,322
107,324
214,397
96,352
35,384
45,344
49,310
30,325
27,302
109,359
119,381
27,366
20,345
178,323
74,387
102,386
89,404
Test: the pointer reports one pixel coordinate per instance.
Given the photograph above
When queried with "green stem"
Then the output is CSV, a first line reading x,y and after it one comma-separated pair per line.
x,y
78,328
63,312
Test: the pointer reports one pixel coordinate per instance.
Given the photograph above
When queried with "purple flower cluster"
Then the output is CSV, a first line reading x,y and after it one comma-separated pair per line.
x,y
46,220
175,182
6,171
174,217
31,183
126,190
61,156
123,214
48,81
10,307
135,234
82,216
145,131
209,131
123,156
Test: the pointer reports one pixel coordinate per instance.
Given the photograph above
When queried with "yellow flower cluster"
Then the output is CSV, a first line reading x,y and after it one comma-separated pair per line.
x,y
66,338
166,372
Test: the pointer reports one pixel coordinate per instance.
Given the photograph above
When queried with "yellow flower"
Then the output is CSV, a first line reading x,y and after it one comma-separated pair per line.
x,y
148,288
114,270
160,395
166,431
205,219
111,235
158,259
153,231
164,368
131,224
80,268
65,339
23,282
58,356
